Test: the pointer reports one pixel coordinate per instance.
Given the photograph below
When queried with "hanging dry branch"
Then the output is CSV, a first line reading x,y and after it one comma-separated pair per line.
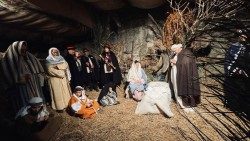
x,y
184,25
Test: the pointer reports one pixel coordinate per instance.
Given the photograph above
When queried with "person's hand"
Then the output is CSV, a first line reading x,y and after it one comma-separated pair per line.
x,y
173,61
89,103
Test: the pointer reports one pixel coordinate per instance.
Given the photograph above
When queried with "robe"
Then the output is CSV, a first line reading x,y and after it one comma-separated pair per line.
x,y
137,86
105,96
15,67
188,86
91,74
78,106
116,75
59,85
77,74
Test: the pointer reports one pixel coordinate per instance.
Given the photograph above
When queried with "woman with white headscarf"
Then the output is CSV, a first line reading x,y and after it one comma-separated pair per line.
x,y
59,77
137,79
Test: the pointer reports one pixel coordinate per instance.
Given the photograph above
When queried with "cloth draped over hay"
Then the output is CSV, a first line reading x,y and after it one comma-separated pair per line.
x,y
157,98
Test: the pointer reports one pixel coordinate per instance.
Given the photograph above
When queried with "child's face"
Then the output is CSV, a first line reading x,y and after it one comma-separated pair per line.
x,y
78,93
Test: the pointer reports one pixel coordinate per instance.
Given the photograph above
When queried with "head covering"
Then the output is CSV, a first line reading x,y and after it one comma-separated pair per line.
x,y
107,45
71,48
78,88
12,63
54,60
36,101
175,46
135,71
242,33
85,50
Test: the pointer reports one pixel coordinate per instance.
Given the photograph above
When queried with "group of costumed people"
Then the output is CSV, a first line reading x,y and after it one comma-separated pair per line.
x,y
154,97
24,78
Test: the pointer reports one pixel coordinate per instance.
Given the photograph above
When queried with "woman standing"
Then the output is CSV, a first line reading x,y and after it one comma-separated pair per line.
x,y
59,77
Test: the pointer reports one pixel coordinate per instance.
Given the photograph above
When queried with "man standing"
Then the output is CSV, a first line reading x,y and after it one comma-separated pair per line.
x,y
23,75
237,73
91,70
69,57
77,70
187,86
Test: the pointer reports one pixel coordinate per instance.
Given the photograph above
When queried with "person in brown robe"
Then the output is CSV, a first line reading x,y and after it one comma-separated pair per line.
x,y
188,88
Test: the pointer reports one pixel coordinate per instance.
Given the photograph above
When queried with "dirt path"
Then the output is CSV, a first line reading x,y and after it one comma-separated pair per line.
x,y
210,121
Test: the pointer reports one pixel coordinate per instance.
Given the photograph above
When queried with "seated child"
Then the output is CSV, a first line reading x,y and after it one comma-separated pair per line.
x,y
108,96
81,105
32,118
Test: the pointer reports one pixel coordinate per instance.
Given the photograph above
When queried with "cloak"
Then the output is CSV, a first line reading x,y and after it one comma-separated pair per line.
x,y
188,86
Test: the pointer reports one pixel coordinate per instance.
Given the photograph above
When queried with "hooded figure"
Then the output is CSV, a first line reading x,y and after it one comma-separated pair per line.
x,y
33,122
184,77
32,118
59,76
137,79
23,75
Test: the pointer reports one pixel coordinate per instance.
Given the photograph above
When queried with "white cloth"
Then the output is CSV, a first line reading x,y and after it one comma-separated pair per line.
x,y
90,62
157,96
135,73
174,83
105,69
51,60
40,117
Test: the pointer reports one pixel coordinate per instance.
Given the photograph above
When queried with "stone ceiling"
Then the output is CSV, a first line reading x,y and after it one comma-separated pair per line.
x,y
57,21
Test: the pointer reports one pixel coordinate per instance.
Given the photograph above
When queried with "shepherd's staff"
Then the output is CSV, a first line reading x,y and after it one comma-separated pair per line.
x,y
110,64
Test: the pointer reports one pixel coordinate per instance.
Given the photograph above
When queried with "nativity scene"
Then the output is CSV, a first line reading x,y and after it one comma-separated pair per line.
x,y
124,70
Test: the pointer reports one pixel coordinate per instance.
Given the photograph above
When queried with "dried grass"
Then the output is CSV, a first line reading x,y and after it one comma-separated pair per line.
x,y
174,28
120,123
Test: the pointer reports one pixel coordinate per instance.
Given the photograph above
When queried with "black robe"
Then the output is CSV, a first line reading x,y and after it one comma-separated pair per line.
x,y
117,76
77,77
92,77
188,86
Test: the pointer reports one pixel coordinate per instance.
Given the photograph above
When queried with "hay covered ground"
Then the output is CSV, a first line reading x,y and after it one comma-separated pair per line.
x,y
210,121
